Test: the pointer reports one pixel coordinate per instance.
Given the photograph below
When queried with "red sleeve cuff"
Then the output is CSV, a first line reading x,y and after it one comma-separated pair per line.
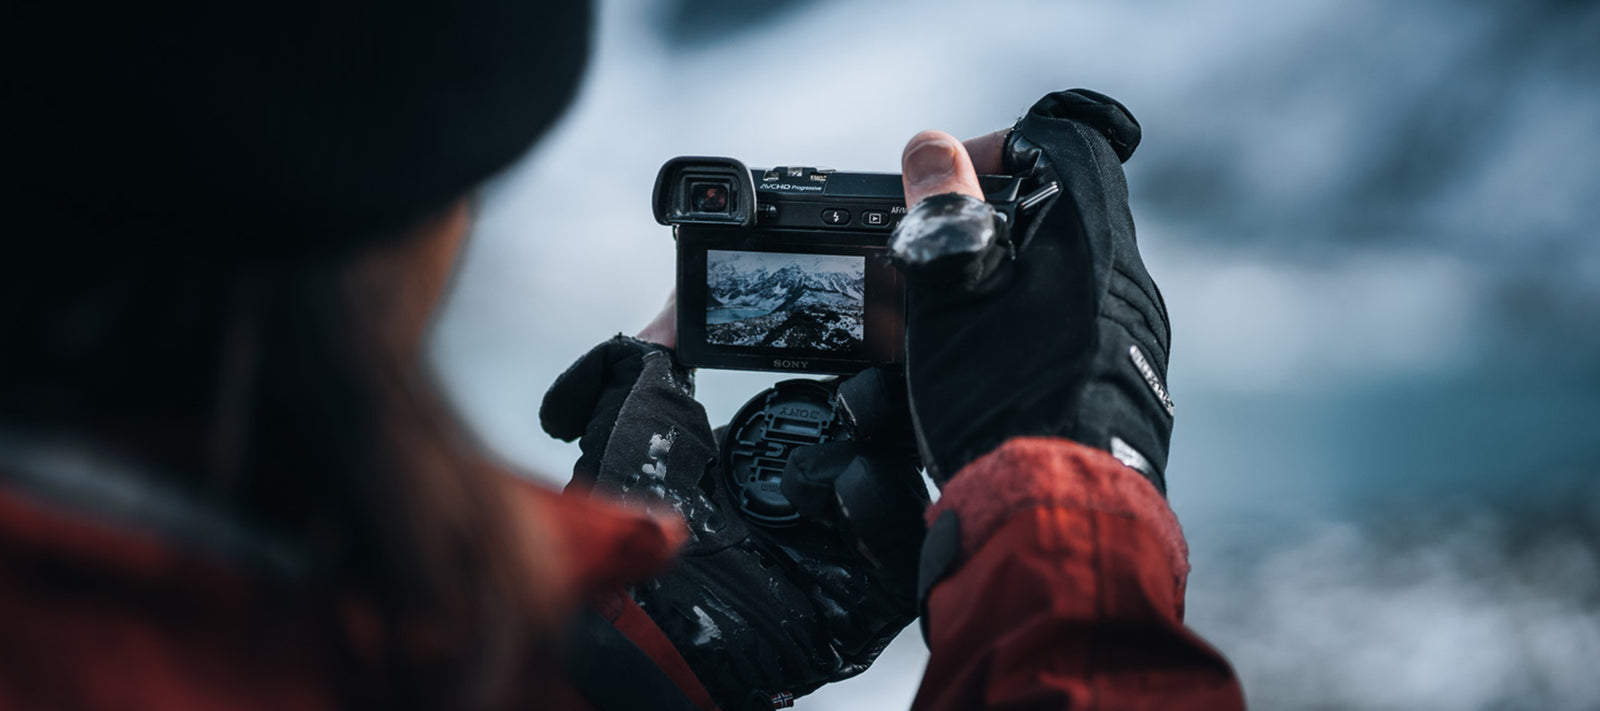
x,y
623,613
1046,472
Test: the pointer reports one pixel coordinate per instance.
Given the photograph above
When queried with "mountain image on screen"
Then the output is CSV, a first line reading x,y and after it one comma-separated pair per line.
x,y
783,300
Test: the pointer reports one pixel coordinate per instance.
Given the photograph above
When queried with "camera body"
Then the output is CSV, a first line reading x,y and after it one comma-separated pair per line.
x,y
786,269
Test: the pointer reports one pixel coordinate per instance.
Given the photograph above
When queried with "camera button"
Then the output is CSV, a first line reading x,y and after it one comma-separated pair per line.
x,y
875,218
835,216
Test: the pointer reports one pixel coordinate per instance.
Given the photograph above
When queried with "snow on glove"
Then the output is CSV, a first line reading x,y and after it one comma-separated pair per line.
x,y
756,613
1048,327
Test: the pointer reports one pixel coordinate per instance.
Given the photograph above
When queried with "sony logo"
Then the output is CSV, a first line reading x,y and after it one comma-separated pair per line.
x,y
792,364
799,412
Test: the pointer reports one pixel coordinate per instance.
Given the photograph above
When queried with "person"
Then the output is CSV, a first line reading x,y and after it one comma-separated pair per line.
x,y
227,479
1052,572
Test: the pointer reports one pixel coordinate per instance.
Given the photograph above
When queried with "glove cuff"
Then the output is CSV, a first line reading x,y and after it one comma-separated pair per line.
x,y
1031,472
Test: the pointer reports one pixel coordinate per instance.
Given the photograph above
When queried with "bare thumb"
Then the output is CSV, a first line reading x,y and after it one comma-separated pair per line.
x,y
949,237
935,163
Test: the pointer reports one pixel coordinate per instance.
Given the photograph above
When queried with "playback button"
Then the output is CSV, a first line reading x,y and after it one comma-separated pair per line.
x,y
835,216
875,218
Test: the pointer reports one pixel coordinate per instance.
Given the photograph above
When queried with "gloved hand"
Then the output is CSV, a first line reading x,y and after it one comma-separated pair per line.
x,y
1048,327
757,613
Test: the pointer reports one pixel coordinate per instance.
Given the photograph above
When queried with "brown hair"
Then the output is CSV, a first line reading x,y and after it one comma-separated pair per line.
x,y
285,394
214,189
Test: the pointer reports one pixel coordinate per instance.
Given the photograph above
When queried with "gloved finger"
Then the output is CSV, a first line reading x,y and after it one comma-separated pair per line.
x,y
1057,113
1048,144
663,329
594,385
876,401
1088,224
881,503
880,508
809,475
661,437
877,502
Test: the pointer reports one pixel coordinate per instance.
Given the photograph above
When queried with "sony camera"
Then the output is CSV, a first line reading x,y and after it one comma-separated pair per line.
x,y
786,269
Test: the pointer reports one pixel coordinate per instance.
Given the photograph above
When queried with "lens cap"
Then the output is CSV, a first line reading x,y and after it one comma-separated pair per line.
x,y
767,430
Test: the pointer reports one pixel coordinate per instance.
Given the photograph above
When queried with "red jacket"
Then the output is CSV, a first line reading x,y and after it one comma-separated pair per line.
x,y
1067,592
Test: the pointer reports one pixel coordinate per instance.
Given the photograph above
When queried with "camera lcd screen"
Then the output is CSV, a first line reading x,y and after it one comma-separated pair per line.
x,y
811,302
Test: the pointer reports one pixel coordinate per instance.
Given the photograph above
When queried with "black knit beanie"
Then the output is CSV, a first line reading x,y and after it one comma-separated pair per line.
x,y
272,128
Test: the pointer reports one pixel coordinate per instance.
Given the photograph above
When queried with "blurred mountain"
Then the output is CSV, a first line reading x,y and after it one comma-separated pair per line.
x,y
794,307
736,286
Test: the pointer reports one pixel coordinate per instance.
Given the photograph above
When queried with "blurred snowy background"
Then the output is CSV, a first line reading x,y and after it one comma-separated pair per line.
x,y
1375,225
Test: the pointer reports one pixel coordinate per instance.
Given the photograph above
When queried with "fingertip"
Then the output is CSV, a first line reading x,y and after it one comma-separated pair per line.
x,y
922,137
663,329
934,163
986,151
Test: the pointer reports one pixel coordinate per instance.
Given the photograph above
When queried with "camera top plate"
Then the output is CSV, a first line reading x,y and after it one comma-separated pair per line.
x,y
822,199
797,197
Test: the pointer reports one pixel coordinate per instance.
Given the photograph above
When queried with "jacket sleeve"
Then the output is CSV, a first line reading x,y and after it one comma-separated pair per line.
x,y
1057,581
614,656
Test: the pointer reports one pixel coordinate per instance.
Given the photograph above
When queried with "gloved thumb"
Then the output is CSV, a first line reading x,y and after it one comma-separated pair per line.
x,y
592,387
809,475
876,502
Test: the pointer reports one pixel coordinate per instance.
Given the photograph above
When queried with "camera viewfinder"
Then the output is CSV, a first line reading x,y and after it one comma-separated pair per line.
x,y
709,197
704,191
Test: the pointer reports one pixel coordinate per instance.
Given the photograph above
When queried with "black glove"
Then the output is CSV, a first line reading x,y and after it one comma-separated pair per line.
x,y
1050,326
757,613
870,489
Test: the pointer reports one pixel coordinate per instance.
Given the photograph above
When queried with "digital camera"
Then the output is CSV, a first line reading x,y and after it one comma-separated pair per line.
x,y
786,269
